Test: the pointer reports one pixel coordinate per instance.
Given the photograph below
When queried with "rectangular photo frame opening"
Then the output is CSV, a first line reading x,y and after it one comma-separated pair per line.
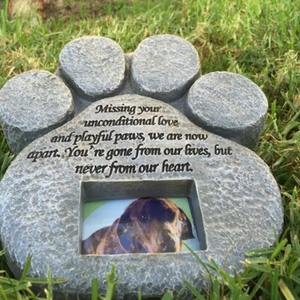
x,y
127,217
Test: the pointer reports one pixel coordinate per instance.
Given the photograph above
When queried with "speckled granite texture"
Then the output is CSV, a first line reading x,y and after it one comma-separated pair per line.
x,y
235,194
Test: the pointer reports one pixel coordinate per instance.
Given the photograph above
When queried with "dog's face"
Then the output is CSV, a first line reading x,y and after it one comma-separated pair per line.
x,y
153,225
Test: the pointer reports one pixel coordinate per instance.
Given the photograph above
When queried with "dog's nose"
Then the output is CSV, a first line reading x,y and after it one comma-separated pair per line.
x,y
163,247
167,246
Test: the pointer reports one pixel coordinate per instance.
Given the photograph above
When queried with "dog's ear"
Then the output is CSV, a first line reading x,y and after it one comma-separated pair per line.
x,y
187,231
89,245
123,231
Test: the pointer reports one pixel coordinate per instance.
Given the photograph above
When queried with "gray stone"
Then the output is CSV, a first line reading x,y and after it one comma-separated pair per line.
x,y
32,104
229,105
236,201
93,66
164,67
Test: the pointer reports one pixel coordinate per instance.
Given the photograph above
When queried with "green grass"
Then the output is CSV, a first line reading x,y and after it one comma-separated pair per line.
x,y
256,38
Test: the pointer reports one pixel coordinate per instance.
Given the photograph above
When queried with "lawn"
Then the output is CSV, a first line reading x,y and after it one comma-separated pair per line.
x,y
259,39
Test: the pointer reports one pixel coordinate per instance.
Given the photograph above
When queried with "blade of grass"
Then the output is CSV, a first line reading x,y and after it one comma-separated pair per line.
x,y
167,296
193,290
285,290
26,268
274,284
95,295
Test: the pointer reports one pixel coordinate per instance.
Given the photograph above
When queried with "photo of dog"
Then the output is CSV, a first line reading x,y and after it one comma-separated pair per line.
x,y
148,225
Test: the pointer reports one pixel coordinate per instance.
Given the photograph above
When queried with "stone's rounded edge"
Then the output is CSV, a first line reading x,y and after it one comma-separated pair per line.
x,y
229,105
93,66
166,96
32,104
19,140
164,67
248,137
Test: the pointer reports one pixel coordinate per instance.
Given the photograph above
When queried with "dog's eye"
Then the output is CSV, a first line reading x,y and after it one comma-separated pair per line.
x,y
170,215
144,216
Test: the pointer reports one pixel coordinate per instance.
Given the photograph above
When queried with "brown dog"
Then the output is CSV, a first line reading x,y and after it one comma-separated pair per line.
x,y
148,225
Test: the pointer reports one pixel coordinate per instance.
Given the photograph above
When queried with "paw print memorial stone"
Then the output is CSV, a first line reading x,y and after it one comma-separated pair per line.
x,y
133,146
